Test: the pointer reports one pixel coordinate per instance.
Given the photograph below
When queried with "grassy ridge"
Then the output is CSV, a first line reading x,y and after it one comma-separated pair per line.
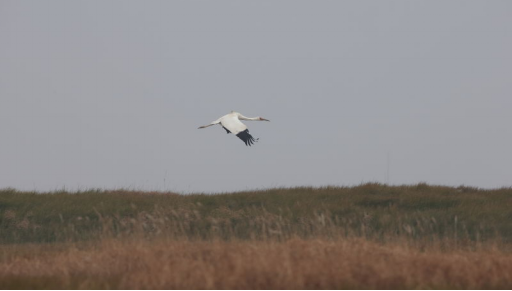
x,y
418,213
371,236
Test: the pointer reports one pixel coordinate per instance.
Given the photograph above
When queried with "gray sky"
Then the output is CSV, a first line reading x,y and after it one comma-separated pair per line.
x,y
110,94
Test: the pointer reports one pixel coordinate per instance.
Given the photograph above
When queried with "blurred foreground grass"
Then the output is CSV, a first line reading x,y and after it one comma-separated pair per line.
x,y
292,264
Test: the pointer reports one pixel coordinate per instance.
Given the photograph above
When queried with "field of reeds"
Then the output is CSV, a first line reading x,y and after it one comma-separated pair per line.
x,y
368,236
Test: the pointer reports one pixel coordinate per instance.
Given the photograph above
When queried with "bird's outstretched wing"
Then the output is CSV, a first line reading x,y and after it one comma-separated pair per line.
x,y
246,137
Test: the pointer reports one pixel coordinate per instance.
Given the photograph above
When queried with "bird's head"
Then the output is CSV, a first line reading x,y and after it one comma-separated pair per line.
x,y
263,119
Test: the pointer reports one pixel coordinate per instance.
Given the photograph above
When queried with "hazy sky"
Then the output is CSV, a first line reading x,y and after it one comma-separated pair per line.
x,y
109,94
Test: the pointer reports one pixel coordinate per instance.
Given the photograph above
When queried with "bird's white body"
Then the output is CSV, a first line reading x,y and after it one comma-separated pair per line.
x,y
232,124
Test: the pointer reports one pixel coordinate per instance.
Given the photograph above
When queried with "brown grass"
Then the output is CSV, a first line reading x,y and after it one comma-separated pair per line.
x,y
365,237
291,264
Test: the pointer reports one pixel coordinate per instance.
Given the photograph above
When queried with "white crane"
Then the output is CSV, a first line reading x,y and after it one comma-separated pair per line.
x,y
232,124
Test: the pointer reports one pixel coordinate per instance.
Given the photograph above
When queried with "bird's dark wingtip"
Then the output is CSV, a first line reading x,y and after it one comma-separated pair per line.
x,y
246,137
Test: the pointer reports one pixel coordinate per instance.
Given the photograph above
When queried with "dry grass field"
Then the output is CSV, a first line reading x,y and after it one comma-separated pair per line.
x,y
369,236
292,264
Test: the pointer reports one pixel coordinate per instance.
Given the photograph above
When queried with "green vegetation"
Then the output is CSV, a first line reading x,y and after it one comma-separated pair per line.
x,y
417,213
371,236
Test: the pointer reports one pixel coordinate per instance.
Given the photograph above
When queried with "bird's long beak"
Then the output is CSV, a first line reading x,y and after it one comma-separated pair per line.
x,y
265,119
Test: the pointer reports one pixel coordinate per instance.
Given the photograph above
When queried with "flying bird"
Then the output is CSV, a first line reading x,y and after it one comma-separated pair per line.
x,y
232,124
